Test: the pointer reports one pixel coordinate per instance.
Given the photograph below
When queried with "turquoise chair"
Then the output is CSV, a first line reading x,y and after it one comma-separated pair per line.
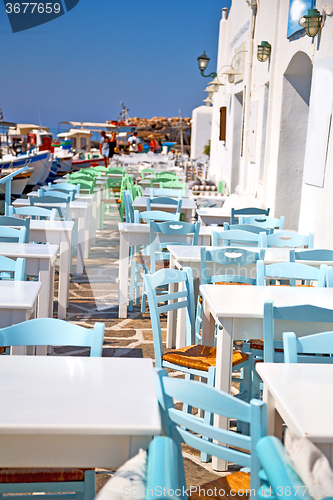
x,y
286,239
155,215
12,235
33,212
199,433
263,221
194,360
317,254
234,237
280,479
64,186
52,202
14,221
246,211
49,331
12,269
315,348
164,200
247,227
172,193
292,271
129,211
56,189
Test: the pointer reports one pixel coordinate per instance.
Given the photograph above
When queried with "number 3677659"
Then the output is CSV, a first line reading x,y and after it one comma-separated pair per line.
x,y
33,8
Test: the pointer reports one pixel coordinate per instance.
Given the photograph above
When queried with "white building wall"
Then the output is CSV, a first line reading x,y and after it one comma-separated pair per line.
x,y
275,108
200,131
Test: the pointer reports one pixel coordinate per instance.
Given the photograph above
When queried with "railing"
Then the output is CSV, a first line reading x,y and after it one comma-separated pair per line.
x,y
7,181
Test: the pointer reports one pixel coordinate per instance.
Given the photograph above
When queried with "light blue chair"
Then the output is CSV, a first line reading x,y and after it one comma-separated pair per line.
x,y
317,254
171,193
49,331
5,220
12,235
280,479
64,187
45,191
234,237
246,211
315,348
292,271
39,213
199,433
164,200
247,227
12,269
129,211
286,239
263,221
52,202
155,215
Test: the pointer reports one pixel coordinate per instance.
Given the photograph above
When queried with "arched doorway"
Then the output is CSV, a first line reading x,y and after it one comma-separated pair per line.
x,y
293,131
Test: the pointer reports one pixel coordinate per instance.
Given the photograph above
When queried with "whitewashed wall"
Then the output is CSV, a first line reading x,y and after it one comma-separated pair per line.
x,y
201,129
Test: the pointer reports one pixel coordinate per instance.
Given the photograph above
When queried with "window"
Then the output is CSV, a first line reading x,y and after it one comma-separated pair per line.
x,y
223,123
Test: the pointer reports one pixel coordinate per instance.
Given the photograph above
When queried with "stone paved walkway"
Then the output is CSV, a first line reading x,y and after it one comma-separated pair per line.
x,y
94,297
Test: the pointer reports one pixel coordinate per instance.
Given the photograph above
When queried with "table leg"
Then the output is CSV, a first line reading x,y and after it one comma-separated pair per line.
x,y
80,245
223,377
51,292
274,420
87,231
171,322
123,275
64,268
44,276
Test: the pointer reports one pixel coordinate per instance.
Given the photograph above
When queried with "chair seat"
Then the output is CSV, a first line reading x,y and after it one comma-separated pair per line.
x,y
259,345
225,487
21,475
200,357
144,260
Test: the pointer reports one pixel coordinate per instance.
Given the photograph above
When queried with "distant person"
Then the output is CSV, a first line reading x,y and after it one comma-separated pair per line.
x,y
104,148
133,143
153,145
112,145
31,145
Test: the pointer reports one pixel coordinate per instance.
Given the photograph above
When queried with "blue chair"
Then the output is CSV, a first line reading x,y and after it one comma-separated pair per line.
x,y
165,200
34,213
234,237
53,202
64,187
12,235
292,271
317,254
148,262
247,227
57,192
129,211
155,215
263,221
12,269
280,479
199,433
14,221
286,239
171,193
246,211
315,348
43,331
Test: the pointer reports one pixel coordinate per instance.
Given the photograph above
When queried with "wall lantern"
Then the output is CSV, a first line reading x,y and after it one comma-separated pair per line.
x,y
231,72
312,22
203,61
264,51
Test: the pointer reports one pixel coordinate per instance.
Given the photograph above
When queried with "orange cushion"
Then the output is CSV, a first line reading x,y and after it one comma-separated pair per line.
x,y
145,260
21,475
259,345
233,486
200,357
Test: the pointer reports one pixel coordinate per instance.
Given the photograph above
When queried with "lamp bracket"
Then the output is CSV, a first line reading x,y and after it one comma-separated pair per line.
x,y
211,75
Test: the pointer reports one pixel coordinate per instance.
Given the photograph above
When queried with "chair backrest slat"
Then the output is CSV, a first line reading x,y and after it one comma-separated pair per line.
x,y
235,237
246,211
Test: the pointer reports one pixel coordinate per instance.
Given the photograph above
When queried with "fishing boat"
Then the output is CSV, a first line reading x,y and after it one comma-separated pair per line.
x,y
39,161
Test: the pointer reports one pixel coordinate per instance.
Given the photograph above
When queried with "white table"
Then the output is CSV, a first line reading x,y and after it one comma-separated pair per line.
x,y
211,215
299,394
17,301
186,193
79,210
56,233
136,235
82,412
39,261
240,311
188,205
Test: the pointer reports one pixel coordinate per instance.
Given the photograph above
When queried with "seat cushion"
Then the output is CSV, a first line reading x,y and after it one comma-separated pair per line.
x,y
258,344
224,487
20,475
144,260
200,357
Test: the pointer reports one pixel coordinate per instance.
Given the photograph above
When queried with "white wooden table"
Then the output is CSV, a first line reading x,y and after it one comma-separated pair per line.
x,y
186,193
17,301
136,235
299,394
188,205
57,233
211,215
75,416
79,210
39,261
240,309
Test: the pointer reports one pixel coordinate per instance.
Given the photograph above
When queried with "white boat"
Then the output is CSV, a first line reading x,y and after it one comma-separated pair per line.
x,y
18,183
39,161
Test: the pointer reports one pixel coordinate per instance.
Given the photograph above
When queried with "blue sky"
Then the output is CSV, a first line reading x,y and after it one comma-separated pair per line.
x,y
80,66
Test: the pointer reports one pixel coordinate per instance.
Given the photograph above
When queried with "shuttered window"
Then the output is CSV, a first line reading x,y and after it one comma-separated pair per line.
x,y
223,123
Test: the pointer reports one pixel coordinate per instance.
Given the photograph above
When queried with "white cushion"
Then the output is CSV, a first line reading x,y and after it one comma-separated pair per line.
x,y
129,482
310,464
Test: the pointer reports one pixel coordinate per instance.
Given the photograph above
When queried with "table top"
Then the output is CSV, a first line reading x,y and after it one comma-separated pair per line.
x,y
76,395
28,250
190,253
141,201
52,225
18,294
301,392
22,202
232,301
186,193
129,227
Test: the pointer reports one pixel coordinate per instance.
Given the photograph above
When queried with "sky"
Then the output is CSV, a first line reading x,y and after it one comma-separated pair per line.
x,y
80,66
